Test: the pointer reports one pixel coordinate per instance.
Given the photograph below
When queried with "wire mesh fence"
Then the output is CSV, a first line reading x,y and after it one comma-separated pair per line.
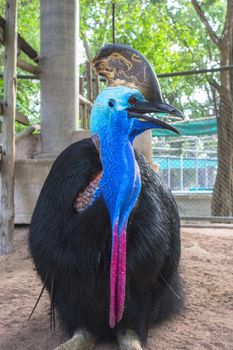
x,y
188,163
188,173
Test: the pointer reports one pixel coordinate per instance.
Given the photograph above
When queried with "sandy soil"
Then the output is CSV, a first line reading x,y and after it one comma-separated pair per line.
x,y
207,322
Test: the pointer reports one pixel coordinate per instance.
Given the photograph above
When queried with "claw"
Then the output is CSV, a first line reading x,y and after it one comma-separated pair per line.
x,y
129,341
81,340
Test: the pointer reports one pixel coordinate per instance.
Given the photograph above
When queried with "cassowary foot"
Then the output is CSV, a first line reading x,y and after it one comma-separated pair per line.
x,y
129,341
81,340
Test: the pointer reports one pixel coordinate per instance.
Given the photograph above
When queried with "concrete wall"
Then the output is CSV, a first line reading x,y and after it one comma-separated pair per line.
x,y
27,147
194,204
30,175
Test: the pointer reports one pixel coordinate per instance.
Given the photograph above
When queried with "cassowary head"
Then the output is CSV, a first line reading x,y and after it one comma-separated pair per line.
x,y
123,109
132,87
121,112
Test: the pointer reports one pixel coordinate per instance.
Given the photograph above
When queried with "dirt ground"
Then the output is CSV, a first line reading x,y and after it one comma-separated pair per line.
x,y
207,322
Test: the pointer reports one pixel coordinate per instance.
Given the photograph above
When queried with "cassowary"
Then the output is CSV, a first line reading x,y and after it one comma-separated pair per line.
x,y
104,236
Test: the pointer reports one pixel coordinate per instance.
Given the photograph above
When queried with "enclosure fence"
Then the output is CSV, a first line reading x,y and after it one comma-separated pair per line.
x,y
188,163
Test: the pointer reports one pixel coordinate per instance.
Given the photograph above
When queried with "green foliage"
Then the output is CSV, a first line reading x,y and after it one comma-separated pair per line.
x,y
169,34
27,90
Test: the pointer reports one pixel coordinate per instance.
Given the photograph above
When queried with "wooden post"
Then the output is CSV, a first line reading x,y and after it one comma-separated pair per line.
x,y
81,108
95,85
89,81
8,129
89,94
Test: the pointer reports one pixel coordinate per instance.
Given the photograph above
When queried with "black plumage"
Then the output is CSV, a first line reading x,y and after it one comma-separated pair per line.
x,y
72,250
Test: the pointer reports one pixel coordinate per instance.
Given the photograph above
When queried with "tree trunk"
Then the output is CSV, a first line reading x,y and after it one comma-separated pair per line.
x,y
222,201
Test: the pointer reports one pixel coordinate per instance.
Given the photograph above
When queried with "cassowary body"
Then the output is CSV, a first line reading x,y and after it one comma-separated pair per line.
x,y
104,235
74,249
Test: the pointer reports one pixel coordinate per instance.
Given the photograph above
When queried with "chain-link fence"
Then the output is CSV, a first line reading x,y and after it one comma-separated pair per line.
x,y
188,163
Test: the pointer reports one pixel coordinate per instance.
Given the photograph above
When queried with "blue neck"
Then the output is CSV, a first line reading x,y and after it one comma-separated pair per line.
x,y
119,186
121,182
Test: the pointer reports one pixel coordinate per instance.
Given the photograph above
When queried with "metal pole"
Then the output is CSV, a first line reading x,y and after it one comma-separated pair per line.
x,y
206,172
181,174
169,172
196,166
193,72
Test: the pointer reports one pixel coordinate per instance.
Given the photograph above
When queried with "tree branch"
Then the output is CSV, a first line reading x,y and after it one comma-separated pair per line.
x,y
215,97
171,21
87,47
213,83
106,20
206,23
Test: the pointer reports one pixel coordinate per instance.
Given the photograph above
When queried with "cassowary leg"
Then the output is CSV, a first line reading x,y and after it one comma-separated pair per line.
x,y
81,340
128,341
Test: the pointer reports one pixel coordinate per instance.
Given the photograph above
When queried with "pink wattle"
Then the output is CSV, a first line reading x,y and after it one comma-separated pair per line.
x,y
113,278
117,276
121,273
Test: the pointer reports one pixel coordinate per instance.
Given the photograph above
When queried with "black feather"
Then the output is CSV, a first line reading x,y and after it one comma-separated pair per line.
x,y
74,248
38,299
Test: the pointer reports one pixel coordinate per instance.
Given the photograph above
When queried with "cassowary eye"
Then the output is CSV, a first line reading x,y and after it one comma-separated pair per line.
x,y
111,103
132,100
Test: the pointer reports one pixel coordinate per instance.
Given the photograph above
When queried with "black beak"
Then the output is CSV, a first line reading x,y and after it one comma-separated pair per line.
x,y
156,107
153,121
140,109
